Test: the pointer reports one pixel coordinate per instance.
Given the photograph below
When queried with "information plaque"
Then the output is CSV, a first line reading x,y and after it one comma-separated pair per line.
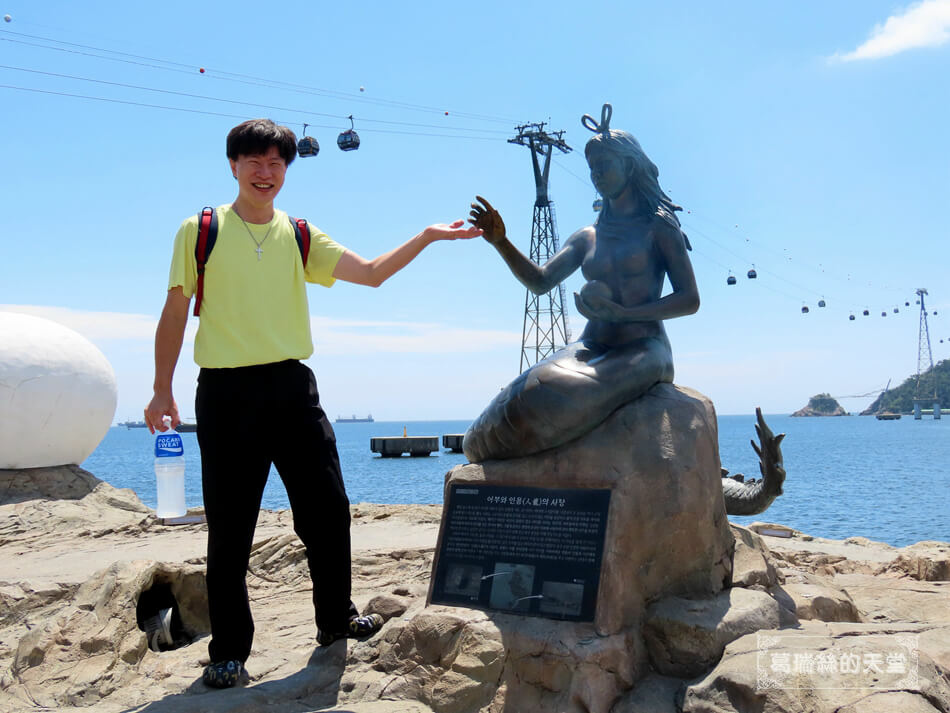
x,y
530,551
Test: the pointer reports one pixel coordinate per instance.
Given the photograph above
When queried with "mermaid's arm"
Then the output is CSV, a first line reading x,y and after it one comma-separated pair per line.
x,y
683,300
537,278
541,279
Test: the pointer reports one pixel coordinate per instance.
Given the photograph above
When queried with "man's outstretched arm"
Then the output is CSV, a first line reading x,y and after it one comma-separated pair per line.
x,y
168,339
353,268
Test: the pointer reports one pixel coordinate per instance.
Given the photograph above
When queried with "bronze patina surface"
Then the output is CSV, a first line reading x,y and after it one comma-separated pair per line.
x,y
625,257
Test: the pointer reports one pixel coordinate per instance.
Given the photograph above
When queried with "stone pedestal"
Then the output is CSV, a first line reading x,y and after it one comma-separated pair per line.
x,y
667,532
667,535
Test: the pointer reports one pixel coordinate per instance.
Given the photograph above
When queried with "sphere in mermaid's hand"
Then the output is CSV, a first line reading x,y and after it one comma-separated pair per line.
x,y
596,288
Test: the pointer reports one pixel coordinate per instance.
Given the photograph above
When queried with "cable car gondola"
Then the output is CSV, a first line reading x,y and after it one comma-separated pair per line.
x,y
896,310
884,314
804,309
851,317
731,280
308,145
751,274
821,302
866,313
349,140
598,204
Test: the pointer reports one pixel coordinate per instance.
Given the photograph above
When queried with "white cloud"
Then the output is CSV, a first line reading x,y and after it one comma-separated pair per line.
x,y
415,348
331,336
94,326
925,24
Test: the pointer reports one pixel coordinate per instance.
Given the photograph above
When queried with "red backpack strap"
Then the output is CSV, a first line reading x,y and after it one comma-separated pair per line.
x,y
302,234
207,234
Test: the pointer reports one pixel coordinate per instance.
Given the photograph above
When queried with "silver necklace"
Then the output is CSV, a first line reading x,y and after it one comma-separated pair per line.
x,y
259,250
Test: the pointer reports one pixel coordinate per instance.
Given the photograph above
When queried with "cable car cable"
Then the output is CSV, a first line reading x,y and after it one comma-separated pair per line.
x,y
170,65
855,305
231,116
693,229
243,103
804,263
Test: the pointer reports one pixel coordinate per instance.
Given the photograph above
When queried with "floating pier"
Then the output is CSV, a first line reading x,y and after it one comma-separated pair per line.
x,y
395,446
919,411
453,441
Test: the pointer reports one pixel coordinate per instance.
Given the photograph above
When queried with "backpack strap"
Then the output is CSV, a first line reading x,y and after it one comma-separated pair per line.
x,y
207,234
302,234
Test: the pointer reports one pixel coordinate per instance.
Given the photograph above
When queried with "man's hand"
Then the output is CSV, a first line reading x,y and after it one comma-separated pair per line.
x,y
488,220
358,270
453,231
160,406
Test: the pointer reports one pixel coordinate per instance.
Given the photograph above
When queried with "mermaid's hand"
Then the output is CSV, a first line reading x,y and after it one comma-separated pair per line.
x,y
488,220
598,308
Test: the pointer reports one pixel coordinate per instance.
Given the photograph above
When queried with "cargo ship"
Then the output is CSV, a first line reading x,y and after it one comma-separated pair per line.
x,y
354,419
182,427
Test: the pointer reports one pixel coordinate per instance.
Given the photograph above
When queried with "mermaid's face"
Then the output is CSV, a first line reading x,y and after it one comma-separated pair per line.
x,y
607,172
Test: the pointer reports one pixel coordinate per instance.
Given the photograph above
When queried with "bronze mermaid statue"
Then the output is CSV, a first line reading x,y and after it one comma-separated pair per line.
x,y
635,244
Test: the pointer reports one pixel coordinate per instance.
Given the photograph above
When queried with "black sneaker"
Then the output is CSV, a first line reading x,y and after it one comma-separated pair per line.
x,y
225,674
359,627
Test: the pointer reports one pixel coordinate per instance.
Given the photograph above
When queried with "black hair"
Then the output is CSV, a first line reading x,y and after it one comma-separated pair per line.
x,y
256,136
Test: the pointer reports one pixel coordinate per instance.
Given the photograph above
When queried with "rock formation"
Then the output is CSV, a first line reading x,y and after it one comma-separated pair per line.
x,y
73,568
821,405
660,457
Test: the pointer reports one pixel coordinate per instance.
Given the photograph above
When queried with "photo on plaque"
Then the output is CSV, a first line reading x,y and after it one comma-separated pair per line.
x,y
562,598
464,580
511,586
523,550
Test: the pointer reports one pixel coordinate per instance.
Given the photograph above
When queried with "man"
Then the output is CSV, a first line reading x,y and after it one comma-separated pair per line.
x,y
256,403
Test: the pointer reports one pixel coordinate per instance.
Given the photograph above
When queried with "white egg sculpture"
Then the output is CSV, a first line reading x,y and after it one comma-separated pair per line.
x,y
57,393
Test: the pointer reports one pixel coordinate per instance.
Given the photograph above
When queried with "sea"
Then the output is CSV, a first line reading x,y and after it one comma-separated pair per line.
x,y
847,476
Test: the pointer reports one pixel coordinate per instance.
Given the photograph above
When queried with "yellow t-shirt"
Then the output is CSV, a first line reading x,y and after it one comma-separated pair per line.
x,y
253,311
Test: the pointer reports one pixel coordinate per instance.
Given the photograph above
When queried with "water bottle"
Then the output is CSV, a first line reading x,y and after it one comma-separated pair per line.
x,y
170,474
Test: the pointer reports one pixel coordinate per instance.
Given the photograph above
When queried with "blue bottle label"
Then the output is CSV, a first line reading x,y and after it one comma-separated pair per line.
x,y
168,445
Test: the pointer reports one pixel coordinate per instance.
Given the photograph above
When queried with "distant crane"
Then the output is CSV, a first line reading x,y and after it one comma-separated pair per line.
x,y
545,320
923,393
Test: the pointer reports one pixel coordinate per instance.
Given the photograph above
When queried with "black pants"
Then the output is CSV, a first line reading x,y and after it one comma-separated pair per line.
x,y
248,418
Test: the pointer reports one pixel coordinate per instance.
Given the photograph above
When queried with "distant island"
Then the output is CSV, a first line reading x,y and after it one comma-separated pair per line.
x,y
821,405
901,399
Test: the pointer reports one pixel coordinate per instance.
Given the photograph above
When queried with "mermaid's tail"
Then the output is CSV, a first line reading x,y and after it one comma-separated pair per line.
x,y
565,396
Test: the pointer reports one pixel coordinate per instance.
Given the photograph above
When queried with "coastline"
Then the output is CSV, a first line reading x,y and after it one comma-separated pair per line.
x,y
75,553
846,476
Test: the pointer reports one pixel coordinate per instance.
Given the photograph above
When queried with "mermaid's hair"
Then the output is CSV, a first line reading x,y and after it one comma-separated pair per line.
x,y
643,173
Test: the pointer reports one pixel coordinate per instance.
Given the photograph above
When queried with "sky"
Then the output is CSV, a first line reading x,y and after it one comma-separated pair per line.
x,y
805,140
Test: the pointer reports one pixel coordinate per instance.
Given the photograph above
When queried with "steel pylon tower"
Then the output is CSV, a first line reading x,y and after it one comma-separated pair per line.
x,y
545,320
924,393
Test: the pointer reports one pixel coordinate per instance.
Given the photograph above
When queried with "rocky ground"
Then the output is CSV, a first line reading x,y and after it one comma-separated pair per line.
x,y
77,557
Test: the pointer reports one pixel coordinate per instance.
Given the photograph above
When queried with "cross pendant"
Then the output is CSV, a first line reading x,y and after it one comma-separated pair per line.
x,y
259,252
